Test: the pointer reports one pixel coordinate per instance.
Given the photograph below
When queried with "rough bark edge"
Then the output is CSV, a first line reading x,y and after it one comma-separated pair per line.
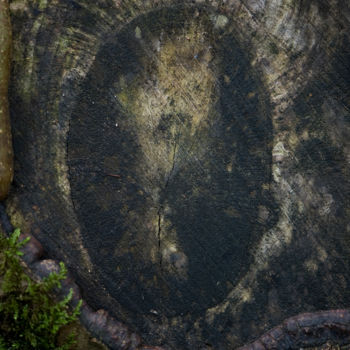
x,y
300,331
306,330
6,152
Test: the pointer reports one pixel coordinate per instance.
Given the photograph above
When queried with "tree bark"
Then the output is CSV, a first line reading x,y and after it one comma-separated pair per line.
x,y
6,153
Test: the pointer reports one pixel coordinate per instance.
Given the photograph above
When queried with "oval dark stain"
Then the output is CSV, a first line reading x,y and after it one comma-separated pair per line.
x,y
170,161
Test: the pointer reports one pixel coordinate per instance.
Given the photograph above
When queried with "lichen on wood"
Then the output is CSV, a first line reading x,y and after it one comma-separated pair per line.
x,y
6,154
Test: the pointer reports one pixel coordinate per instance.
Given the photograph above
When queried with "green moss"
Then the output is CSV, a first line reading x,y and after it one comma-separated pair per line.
x,y
30,317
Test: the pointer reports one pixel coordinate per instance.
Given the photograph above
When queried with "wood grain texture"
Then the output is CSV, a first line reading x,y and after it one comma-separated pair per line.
x,y
188,161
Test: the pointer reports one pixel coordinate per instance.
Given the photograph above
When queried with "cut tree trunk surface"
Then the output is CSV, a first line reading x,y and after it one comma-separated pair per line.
x,y
188,161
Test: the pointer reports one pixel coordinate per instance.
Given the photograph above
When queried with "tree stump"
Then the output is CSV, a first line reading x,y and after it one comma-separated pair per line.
x,y
188,161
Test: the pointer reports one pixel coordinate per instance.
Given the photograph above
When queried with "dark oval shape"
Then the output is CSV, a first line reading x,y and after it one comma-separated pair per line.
x,y
169,157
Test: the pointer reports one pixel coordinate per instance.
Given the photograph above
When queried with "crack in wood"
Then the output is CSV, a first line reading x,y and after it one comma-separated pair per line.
x,y
161,207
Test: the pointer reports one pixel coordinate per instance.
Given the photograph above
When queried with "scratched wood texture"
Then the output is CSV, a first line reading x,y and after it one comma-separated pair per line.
x,y
189,161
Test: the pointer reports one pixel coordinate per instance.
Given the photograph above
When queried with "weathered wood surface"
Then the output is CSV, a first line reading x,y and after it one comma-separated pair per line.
x,y
6,152
188,161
